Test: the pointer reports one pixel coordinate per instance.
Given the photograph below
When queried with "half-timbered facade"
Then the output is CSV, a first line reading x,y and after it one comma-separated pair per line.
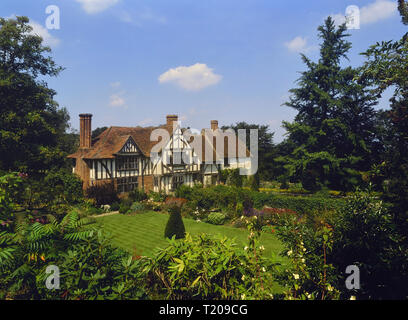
x,y
131,157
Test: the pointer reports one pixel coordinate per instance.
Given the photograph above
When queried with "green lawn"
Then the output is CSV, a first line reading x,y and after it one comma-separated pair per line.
x,y
144,232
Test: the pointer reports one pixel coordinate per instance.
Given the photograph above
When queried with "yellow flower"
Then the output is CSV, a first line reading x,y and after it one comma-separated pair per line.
x,y
296,276
289,252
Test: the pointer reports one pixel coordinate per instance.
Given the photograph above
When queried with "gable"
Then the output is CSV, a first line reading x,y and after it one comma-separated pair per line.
x,y
130,147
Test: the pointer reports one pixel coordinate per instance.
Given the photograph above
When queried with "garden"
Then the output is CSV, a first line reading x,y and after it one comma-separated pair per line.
x,y
332,196
218,242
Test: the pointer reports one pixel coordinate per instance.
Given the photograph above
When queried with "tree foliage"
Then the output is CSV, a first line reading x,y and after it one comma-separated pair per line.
x,y
387,67
31,122
333,134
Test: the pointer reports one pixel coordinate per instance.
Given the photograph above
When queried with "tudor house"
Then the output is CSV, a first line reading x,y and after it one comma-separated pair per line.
x,y
151,159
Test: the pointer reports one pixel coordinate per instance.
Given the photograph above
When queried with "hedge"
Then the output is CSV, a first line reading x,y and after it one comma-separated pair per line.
x,y
226,197
302,205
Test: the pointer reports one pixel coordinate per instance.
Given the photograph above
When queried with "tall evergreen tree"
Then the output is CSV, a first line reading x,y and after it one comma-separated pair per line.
x,y
335,125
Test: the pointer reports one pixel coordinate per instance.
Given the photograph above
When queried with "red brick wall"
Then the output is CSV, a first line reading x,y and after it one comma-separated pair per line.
x,y
146,182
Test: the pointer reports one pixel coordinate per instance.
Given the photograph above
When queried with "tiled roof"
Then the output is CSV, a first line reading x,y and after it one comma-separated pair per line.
x,y
111,141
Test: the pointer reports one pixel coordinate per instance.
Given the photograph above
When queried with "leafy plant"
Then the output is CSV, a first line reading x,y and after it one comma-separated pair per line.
x,y
26,246
137,207
124,206
206,267
216,218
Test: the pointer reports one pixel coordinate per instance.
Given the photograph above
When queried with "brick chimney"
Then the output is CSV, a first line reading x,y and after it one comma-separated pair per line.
x,y
171,118
214,125
85,132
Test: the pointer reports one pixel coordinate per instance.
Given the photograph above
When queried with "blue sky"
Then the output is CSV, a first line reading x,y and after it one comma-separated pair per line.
x,y
131,62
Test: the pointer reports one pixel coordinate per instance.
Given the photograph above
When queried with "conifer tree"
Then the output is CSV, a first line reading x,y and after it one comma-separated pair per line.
x,y
334,129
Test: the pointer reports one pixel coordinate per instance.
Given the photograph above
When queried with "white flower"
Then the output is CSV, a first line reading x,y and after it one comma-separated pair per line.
x,y
329,287
289,252
309,296
263,269
303,260
296,276
243,296
246,248
243,277
261,248
353,298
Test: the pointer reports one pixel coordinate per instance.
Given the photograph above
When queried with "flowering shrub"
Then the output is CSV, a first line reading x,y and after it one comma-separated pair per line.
x,y
310,276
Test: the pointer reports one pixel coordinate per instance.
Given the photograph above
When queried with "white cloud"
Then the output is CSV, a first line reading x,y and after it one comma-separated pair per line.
x,y
379,10
371,13
41,31
117,100
298,44
115,84
192,78
96,6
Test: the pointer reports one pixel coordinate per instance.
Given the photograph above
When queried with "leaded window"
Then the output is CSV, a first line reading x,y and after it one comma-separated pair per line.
x,y
127,184
127,163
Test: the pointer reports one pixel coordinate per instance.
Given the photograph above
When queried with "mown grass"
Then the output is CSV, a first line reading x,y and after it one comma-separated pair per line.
x,y
143,233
